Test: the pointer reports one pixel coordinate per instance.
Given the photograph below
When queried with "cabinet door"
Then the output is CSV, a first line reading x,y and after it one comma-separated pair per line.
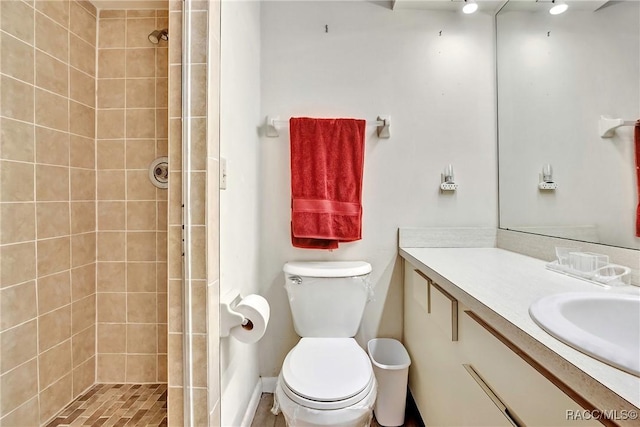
x,y
444,391
528,394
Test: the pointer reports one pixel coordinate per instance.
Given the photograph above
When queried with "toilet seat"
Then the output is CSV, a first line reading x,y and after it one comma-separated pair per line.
x,y
327,373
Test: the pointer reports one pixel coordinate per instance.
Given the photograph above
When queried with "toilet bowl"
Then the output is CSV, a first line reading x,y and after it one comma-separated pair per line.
x,y
327,379
327,382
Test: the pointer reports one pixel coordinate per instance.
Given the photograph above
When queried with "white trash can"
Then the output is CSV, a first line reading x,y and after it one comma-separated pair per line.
x,y
391,367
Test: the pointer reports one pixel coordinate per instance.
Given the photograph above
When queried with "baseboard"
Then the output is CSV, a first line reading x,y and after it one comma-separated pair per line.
x,y
253,405
269,384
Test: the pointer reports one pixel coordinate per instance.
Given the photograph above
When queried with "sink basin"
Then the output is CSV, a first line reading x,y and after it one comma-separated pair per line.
x,y
602,325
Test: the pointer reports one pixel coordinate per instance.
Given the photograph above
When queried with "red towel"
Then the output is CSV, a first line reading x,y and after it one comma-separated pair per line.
x,y
327,162
637,143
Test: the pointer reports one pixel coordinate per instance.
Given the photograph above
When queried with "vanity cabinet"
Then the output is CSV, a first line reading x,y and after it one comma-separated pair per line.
x,y
464,373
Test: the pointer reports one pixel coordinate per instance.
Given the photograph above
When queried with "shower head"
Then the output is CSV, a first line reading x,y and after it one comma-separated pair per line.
x,y
157,35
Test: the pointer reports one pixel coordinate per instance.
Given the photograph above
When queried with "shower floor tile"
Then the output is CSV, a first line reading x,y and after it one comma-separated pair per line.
x,y
116,405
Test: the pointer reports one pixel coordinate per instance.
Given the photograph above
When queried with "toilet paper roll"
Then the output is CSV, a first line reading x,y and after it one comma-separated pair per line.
x,y
256,310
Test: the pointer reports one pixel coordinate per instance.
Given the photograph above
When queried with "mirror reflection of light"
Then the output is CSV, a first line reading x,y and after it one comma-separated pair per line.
x,y
558,8
470,6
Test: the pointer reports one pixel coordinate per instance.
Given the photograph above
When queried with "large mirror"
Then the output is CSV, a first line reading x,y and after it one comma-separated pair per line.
x,y
557,75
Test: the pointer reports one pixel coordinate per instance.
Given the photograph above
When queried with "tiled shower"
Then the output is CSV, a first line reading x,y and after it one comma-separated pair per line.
x,y
86,102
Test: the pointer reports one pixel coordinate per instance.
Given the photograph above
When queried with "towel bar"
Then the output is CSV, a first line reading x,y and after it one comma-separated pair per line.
x,y
382,123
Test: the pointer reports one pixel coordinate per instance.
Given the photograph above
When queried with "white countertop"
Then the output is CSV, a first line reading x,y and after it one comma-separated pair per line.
x,y
507,283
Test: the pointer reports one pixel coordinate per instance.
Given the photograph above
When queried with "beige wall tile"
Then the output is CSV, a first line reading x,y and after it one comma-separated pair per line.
x,y
27,414
110,124
89,6
83,249
199,37
141,62
199,306
132,13
83,217
141,277
53,256
198,90
54,327
83,281
53,219
175,147
175,306
51,37
198,197
111,63
17,20
162,62
111,246
51,110
112,338
111,277
199,364
52,183
162,368
111,368
175,42
162,319
17,263
56,10
52,74
55,397
82,87
18,345
111,154
82,55
139,186
18,305
82,23
140,123
16,59
199,252
161,276
162,93
16,101
175,399
54,292
111,216
141,93
140,153
162,216
141,308
161,245
84,376
111,33
198,144
111,93
54,363
52,147
111,185
17,222
18,386
83,122
174,246
141,368
113,13
138,30
142,338
16,182
175,360
175,90
141,246
83,152
83,314
83,185
17,140
141,215
111,307
83,346
162,123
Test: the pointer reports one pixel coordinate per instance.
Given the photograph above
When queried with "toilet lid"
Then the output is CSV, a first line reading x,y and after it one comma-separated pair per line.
x,y
327,369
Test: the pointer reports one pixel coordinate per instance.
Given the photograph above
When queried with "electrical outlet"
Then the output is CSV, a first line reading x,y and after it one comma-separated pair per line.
x,y
448,187
223,173
547,186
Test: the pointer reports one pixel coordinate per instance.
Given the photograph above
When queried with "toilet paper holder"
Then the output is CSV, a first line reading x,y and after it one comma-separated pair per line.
x,y
229,318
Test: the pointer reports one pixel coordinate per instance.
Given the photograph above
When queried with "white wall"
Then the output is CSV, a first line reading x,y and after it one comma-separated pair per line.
x,y
553,89
239,203
440,93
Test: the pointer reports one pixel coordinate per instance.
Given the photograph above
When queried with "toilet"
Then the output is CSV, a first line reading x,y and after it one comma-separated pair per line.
x,y
327,378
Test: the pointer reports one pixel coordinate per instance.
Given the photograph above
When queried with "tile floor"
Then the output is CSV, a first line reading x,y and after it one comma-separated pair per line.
x,y
264,417
116,405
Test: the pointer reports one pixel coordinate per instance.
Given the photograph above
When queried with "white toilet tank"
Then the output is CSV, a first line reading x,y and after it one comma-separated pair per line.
x,y
327,299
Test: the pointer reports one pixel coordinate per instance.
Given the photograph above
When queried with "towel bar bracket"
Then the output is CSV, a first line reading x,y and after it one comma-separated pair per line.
x,y
608,125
